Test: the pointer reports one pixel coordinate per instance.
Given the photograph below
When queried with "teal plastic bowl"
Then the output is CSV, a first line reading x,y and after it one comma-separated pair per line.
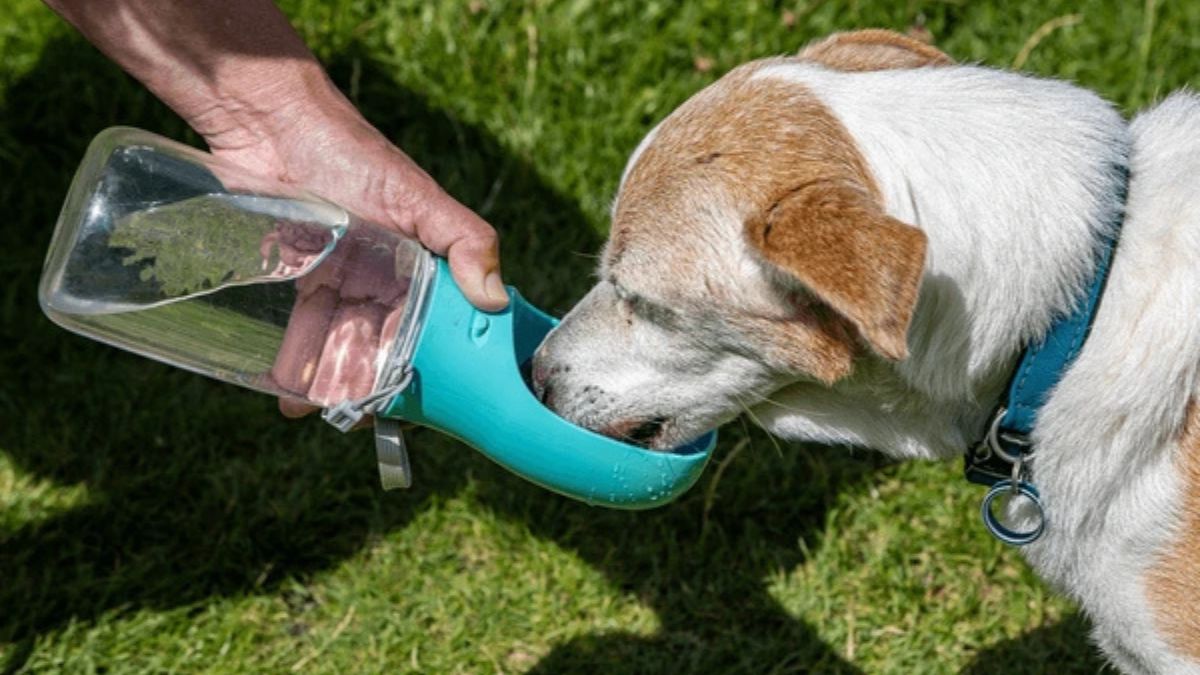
x,y
467,382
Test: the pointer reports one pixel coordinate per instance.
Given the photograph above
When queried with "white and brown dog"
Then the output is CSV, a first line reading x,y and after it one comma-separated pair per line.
x,y
856,243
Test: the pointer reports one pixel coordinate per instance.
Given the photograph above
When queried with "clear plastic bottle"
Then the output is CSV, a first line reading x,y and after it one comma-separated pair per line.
x,y
166,251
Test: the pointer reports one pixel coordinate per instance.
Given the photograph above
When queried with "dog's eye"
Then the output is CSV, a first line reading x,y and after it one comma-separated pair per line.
x,y
634,305
629,304
623,295
630,301
650,311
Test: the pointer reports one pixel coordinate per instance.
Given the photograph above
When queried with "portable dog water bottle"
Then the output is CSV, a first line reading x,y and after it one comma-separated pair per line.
x,y
168,252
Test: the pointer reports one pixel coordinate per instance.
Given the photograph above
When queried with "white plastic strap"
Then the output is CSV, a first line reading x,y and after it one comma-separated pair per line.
x,y
394,469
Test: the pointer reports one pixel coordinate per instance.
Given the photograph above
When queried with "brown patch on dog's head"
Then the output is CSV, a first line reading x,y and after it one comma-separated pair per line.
x,y
772,157
875,49
1171,584
834,239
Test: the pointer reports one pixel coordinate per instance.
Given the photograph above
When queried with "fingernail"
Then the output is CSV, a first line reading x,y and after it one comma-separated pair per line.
x,y
494,287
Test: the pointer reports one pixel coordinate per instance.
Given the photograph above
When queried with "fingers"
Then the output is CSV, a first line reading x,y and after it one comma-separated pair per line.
x,y
406,198
475,265
294,407
472,247
347,367
300,352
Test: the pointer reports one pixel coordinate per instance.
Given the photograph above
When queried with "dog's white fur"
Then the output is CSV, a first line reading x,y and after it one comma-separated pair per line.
x,y
1002,255
1009,248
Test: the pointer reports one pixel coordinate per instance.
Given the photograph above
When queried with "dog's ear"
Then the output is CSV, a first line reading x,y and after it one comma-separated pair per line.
x,y
838,244
873,50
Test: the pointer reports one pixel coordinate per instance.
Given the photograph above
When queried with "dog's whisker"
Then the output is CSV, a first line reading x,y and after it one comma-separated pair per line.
x,y
789,408
782,406
752,416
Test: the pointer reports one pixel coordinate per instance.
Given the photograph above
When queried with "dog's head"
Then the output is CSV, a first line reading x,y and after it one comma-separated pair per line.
x,y
748,250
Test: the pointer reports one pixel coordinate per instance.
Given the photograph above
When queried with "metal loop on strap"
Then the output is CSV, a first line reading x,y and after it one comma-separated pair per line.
x,y
1005,534
996,440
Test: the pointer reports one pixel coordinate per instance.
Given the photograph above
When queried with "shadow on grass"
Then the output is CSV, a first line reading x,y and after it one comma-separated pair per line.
x,y
194,489
703,564
1060,648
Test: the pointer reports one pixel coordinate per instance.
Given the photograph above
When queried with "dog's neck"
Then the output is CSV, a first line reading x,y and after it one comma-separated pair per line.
x,y
1012,180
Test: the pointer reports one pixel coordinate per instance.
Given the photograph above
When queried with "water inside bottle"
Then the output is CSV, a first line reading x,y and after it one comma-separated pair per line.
x,y
198,246
279,295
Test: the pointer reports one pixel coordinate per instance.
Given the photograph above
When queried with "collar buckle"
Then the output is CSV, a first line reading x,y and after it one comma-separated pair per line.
x,y
991,461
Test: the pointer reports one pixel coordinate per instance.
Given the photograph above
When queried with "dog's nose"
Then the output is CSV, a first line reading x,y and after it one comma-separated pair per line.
x,y
539,376
541,380
546,396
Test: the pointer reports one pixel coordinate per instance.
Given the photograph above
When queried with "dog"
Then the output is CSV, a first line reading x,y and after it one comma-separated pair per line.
x,y
856,243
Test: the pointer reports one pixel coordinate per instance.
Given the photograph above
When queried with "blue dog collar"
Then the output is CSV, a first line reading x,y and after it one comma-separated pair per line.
x,y
1000,460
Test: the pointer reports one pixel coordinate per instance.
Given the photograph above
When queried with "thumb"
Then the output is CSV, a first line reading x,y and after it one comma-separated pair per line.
x,y
471,246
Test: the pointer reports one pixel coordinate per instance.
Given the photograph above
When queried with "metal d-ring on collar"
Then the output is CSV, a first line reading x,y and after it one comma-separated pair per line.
x,y
999,530
1001,460
1006,452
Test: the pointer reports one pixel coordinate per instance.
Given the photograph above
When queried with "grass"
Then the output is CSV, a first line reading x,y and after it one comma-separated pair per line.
x,y
154,521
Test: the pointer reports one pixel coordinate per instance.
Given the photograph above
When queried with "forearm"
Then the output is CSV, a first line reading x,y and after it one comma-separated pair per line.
x,y
238,73
228,67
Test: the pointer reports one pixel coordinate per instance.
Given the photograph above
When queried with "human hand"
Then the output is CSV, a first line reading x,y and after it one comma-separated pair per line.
x,y
321,144
241,76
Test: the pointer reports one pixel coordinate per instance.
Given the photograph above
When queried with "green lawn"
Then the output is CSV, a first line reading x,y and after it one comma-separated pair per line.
x,y
154,521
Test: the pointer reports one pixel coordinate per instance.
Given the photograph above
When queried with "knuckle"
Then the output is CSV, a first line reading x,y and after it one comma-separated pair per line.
x,y
486,238
405,199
